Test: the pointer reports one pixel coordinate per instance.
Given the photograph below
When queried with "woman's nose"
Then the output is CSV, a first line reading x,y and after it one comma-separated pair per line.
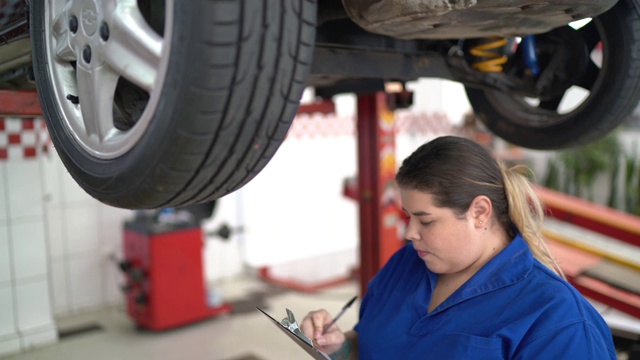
x,y
411,232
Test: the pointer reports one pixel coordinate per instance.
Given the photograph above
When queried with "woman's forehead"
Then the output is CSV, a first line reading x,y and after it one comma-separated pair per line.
x,y
410,197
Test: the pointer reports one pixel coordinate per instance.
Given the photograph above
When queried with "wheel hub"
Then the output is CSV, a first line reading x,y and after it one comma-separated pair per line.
x,y
97,50
567,59
89,18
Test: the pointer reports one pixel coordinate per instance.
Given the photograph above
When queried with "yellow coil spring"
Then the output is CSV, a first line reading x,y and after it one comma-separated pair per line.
x,y
492,60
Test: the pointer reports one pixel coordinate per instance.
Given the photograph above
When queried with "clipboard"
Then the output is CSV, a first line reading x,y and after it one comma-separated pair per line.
x,y
315,353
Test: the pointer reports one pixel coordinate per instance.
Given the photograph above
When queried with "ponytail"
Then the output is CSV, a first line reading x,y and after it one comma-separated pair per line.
x,y
527,214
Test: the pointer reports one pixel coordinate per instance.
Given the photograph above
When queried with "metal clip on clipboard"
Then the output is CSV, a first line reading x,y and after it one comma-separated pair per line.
x,y
290,326
290,323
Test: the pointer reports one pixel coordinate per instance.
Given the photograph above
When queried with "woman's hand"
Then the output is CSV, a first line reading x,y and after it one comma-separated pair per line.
x,y
313,325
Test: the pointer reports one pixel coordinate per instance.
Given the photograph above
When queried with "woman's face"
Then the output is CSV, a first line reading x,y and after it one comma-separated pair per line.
x,y
446,242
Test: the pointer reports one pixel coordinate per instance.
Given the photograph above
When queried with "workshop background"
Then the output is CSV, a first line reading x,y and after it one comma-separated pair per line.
x,y
57,244
59,248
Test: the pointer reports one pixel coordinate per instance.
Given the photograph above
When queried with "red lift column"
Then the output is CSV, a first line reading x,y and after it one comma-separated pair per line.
x,y
376,187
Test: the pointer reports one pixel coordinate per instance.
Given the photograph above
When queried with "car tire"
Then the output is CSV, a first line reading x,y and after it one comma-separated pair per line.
x,y
613,91
154,106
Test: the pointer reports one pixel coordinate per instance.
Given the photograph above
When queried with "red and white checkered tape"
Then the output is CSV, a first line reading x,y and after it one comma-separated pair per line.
x,y
319,125
435,123
322,126
23,138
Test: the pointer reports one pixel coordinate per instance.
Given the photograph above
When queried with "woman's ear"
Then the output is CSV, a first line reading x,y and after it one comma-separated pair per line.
x,y
480,210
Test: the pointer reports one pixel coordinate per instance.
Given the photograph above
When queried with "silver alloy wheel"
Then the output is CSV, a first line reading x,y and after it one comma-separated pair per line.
x,y
91,45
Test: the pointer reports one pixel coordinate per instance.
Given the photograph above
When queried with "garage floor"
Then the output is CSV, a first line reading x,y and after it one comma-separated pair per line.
x,y
108,334
246,334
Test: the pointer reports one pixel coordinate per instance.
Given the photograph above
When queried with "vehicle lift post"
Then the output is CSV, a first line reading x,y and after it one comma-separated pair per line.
x,y
376,190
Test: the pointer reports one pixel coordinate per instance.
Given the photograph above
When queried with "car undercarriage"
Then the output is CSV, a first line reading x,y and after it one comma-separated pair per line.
x,y
118,79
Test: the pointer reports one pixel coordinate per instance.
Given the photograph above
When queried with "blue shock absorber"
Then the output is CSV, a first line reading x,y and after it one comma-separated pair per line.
x,y
530,57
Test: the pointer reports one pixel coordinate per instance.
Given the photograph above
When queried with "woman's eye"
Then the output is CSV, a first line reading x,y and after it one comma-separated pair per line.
x,y
425,223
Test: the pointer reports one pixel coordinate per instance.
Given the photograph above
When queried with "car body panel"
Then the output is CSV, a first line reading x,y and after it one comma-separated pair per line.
x,y
447,19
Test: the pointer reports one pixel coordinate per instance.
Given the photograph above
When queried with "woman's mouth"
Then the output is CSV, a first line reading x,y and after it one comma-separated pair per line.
x,y
422,253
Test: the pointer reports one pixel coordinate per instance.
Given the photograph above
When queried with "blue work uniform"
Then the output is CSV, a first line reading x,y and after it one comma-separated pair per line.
x,y
512,308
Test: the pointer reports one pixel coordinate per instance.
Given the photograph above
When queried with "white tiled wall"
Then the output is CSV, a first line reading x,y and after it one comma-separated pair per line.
x,y
55,231
24,182
81,235
54,242
7,315
85,283
28,248
80,226
26,318
59,285
33,304
3,194
9,340
5,265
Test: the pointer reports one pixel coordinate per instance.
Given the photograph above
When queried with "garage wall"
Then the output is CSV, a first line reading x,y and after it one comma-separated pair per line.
x,y
82,234
26,316
54,240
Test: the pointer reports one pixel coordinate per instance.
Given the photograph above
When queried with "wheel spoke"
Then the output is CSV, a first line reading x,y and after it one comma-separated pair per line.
x,y
551,104
590,35
133,48
588,79
96,89
60,29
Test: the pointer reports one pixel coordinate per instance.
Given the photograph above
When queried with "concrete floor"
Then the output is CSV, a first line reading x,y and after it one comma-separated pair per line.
x,y
245,334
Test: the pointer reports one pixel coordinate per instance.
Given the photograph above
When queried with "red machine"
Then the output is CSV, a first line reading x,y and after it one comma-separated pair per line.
x,y
165,276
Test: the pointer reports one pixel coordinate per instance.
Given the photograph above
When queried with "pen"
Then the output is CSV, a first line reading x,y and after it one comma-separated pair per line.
x,y
335,319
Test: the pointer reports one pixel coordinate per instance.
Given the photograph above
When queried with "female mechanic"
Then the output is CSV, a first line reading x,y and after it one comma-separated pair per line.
x,y
475,280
